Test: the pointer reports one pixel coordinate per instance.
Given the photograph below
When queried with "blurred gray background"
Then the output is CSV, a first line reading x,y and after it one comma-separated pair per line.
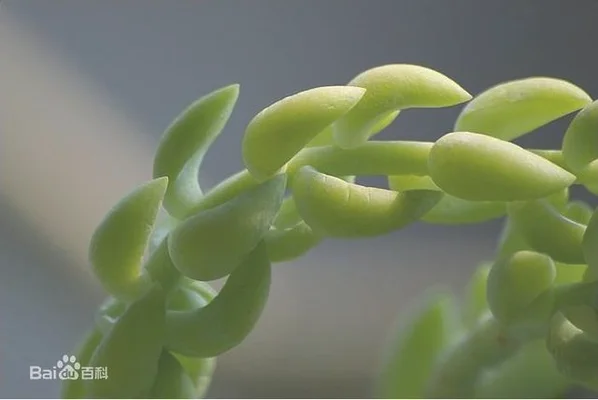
x,y
88,87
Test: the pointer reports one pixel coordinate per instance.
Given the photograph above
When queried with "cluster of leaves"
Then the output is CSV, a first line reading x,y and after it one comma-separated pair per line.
x,y
162,327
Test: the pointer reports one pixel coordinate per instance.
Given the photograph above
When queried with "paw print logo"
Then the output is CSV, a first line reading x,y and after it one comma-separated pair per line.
x,y
68,368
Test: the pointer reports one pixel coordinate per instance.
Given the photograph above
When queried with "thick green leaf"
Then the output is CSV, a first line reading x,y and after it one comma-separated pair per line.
x,y
211,244
390,88
281,130
580,144
547,231
185,143
512,109
334,207
482,168
515,282
130,350
229,318
119,243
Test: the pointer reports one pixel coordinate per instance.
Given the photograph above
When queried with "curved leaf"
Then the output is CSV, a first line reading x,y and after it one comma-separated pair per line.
x,y
580,143
514,283
477,167
229,318
130,350
334,207
512,109
118,244
390,88
547,231
211,244
281,130
185,143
